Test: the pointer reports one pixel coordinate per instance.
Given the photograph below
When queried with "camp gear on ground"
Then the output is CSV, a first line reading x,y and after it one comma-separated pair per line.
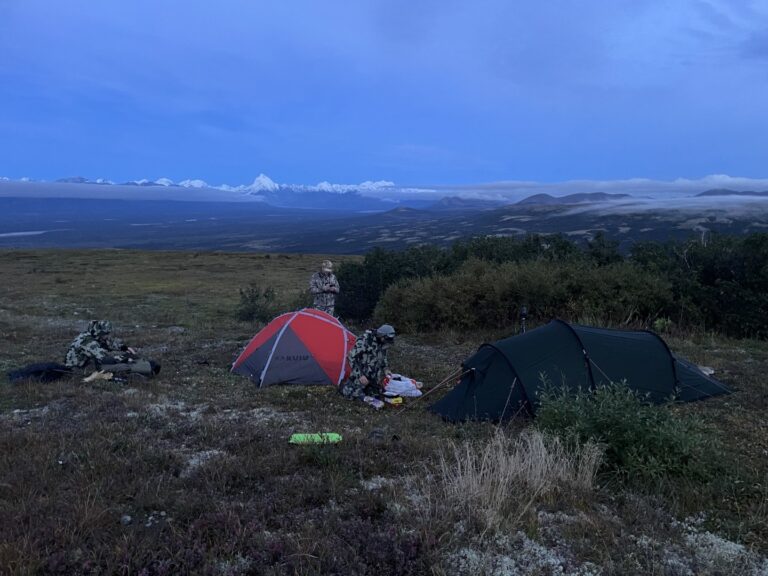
x,y
98,375
40,371
139,366
375,402
399,385
394,400
505,377
304,347
321,438
452,378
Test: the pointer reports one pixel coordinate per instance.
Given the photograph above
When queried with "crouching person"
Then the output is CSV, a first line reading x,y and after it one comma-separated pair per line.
x,y
368,361
96,347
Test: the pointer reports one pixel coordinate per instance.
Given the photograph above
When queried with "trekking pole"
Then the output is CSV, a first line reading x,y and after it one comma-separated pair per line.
x,y
438,385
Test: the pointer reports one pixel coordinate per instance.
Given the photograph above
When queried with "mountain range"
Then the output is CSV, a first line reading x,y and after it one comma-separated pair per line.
x,y
342,222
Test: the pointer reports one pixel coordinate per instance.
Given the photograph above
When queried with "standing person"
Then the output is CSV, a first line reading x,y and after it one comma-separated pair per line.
x,y
324,287
368,360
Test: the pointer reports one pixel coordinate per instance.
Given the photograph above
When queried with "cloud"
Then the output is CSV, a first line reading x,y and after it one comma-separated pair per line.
x,y
641,189
756,46
724,206
517,190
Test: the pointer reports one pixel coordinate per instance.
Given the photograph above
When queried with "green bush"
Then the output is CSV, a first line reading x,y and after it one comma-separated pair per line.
x,y
720,284
362,283
482,295
500,249
644,444
257,303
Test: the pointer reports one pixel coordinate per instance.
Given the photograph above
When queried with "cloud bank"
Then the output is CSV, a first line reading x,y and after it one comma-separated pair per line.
x,y
643,190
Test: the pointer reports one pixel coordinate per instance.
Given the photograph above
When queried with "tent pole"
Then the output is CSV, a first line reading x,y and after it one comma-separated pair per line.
x,y
440,384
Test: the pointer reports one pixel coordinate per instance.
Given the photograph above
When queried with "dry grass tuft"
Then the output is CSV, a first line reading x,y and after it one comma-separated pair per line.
x,y
499,483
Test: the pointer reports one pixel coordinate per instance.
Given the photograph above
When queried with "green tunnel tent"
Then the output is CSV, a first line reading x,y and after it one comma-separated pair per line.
x,y
503,378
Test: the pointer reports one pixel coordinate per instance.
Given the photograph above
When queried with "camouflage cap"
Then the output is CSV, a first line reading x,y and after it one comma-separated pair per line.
x,y
100,327
326,266
385,331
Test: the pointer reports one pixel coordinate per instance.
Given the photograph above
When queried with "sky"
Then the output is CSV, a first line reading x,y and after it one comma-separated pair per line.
x,y
416,92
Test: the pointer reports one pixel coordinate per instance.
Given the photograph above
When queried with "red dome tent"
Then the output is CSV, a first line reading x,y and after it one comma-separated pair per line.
x,y
304,347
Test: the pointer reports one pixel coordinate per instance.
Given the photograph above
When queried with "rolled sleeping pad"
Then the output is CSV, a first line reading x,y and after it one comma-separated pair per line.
x,y
321,438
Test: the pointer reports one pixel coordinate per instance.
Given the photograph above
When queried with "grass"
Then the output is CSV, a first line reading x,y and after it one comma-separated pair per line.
x,y
510,476
199,460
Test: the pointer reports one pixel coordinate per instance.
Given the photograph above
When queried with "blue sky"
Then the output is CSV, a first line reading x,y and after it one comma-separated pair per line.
x,y
432,92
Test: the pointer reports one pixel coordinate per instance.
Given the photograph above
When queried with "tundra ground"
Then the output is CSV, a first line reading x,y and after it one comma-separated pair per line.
x,y
191,472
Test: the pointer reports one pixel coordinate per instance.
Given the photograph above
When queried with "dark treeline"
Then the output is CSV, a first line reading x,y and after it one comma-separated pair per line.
x,y
720,284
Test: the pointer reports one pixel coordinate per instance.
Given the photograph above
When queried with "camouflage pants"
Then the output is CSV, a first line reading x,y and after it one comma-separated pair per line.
x,y
326,309
353,388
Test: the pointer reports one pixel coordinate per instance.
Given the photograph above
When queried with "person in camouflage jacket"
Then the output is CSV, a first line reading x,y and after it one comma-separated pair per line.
x,y
96,346
324,286
368,360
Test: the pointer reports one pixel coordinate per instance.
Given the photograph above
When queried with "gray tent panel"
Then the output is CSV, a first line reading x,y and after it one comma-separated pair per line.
x,y
253,365
291,363
283,359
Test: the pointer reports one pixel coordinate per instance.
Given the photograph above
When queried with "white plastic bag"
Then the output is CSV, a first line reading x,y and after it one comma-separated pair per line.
x,y
399,385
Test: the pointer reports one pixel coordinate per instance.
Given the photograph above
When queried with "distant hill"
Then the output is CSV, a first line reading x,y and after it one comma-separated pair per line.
x,y
404,212
463,204
581,198
727,192
287,197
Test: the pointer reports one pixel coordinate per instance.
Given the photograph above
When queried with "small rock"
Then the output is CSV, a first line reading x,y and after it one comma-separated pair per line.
x,y
125,520
377,435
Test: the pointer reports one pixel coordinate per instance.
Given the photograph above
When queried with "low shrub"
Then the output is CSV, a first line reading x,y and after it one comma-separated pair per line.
x,y
482,295
302,299
644,444
257,303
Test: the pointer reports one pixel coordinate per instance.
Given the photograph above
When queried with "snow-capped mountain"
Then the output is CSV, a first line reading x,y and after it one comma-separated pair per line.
x,y
195,184
263,183
356,197
367,196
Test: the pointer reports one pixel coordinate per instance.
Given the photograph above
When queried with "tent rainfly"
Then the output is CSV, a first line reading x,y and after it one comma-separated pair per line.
x,y
504,378
304,347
